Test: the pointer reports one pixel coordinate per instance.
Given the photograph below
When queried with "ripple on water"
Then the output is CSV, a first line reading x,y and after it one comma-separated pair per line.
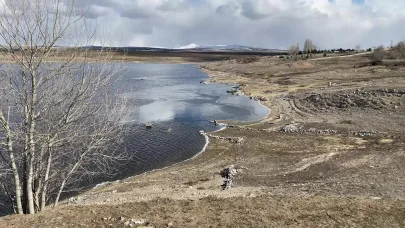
x,y
171,97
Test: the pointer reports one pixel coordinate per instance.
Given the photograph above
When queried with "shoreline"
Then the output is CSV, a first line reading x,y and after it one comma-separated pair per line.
x,y
213,75
205,134
207,141
300,167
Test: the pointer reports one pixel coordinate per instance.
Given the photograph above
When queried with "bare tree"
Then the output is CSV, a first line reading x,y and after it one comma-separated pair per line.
x,y
309,47
294,50
59,121
357,48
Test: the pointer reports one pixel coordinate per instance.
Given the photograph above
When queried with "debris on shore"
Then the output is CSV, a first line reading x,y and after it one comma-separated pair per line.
x,y
235,140
228,173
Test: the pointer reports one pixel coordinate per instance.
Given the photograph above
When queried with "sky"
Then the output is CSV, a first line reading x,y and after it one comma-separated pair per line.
x,y
258,23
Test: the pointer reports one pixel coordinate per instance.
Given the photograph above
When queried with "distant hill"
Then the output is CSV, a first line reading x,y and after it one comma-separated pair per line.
x,y
224,48
195,48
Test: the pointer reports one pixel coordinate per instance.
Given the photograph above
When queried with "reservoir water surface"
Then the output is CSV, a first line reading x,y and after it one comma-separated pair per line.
x,y
172,99
178,106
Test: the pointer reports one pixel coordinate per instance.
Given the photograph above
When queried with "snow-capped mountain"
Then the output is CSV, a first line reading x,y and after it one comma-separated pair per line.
x,y
221,48
190,46
193,48
228,47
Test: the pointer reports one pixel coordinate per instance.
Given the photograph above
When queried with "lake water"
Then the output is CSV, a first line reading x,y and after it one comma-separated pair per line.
x,y
171,97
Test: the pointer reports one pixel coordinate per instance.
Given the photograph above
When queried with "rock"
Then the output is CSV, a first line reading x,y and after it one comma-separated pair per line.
x,y
290,128
170,224
261,98
139,221
122,218
364,134
237,140
190,219
73,200
229,174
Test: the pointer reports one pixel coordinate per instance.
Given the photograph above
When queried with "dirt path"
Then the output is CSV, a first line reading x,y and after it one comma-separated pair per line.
x,y
343,56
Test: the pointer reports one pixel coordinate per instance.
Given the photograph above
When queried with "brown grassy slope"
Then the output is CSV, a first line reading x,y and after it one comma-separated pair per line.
x,y
262,211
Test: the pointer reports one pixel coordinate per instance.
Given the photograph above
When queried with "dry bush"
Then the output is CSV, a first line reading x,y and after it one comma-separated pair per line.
x,y
378,55
249,59
397,52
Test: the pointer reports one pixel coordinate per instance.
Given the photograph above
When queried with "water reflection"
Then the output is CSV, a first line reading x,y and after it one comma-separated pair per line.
x,y
171,97
164,92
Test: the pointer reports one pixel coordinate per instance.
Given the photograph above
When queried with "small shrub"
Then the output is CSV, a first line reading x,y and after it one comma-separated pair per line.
x,y
397,52
205,179
377,56
249,59
191,183
347,122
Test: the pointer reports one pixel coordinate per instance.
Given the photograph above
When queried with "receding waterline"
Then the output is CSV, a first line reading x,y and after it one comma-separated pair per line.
x,y
178,106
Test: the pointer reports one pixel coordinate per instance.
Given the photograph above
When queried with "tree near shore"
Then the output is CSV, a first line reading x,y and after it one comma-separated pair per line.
x,y
59,123
294,50
309,47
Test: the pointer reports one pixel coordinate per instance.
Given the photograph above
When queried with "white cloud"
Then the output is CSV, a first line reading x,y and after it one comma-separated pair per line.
x,y
261,23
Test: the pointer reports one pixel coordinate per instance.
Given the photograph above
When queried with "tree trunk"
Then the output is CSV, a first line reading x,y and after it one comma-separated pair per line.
x,y
45,184
29,190
31,157
38,183
17,182
62,186
13,163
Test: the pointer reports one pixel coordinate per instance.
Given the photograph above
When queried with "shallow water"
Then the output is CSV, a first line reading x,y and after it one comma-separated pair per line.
x,y
171,97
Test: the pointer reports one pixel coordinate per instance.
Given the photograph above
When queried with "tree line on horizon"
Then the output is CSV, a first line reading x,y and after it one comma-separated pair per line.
x,y
378,53
310,48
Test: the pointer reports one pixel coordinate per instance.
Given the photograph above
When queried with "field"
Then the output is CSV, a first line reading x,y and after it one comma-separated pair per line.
x,y
330,154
